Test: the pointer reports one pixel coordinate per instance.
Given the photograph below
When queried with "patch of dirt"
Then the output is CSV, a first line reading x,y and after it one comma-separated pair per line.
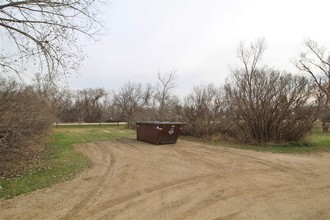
x,y
136,180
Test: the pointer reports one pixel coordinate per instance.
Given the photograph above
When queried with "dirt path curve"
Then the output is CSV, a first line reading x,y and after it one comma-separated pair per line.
x,y
135,180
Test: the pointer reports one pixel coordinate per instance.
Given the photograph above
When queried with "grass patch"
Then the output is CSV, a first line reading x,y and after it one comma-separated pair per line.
x,y
60,161
315,142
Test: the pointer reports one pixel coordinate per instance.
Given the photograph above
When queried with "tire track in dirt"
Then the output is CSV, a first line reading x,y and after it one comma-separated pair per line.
x,y
131,196
189,181
207,161
155,189
173,185
110,161
253,195
149,190
286,169
211,199
136,180
214,197
162,187
128,143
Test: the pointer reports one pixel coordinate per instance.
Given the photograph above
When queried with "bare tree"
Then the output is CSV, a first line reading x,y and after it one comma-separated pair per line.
x,y
91,104
163,94
131,99
45,34
315,61
59,98
267,105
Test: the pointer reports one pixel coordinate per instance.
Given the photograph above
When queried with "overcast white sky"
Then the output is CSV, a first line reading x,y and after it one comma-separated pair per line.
x,y
197,38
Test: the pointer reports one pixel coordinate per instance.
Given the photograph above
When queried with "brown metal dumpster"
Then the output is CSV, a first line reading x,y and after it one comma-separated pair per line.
x,y
156,132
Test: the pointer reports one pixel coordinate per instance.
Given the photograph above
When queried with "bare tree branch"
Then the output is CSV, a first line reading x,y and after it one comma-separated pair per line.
x,y
47,33
163,95
131,99
315,62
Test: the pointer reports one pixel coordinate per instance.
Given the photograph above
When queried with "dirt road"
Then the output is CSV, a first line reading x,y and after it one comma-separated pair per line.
x,y
136,180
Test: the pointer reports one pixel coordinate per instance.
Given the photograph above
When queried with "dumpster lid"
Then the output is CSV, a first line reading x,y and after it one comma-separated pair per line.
x,y
159,123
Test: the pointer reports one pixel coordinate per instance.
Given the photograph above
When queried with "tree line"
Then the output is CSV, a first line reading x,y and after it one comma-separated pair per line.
x,y
256,104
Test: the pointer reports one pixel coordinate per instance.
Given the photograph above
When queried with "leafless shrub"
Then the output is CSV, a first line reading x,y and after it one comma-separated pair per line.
x,y
202,111
270,106
266,105
24,121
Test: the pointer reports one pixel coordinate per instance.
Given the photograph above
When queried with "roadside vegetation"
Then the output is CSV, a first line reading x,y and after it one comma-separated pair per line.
x,y
60,161
316,141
